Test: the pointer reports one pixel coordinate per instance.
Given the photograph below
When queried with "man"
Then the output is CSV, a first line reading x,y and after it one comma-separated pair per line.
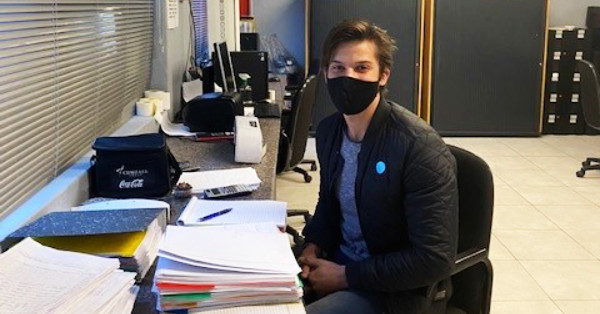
x,y
385,226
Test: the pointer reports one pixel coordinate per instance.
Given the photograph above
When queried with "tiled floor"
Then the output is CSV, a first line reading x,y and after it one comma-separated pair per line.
x,y
545,246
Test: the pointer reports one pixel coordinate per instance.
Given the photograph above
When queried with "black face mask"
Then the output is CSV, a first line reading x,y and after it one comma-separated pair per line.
x,y
350,95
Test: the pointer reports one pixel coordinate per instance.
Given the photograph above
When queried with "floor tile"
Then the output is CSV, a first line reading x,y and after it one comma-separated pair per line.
x,y
538,245
551,195
589,192
505,195
498,252
573,216
499,163
532,147
513,283
568,177
485,148
587,238
564,163
528,177
498,181
578,307
298,198
567,280
520,217
529,307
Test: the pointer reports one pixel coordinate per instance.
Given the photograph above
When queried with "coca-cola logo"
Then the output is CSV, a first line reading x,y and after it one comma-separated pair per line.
x,y
133,184
131,172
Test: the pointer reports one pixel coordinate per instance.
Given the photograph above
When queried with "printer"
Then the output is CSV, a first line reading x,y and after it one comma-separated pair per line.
x,y
216,112
213,112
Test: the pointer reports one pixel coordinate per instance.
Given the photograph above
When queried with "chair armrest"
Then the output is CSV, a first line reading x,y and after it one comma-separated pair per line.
x,y
469,258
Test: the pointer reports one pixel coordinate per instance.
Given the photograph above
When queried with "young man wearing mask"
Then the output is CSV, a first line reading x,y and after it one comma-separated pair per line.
x,y
385,225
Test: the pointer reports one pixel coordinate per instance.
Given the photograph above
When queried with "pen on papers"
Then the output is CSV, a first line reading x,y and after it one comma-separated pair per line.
x,y
215,214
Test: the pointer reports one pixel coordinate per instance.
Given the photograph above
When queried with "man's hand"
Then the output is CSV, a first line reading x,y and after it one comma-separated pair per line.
x,y
324,276
311,250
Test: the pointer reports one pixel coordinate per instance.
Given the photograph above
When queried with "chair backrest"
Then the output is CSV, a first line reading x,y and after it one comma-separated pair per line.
x,y
299,122
472,278
475,201
590,93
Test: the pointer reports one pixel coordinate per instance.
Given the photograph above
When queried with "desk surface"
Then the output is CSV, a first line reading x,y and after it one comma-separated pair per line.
x,y
211,156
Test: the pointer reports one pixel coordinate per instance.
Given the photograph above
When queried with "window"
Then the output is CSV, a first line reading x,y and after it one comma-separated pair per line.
x,y
68,68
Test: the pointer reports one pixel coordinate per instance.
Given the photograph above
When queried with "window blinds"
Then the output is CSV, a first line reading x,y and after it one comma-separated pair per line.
x,y
67,70
200,18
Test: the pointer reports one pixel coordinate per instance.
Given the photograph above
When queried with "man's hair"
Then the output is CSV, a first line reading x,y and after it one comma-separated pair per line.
x,y
350,30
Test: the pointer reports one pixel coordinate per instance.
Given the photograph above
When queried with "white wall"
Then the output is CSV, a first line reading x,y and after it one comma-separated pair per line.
x,y
569,12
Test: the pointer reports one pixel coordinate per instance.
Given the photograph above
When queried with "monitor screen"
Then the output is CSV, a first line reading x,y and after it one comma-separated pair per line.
x,y
226,67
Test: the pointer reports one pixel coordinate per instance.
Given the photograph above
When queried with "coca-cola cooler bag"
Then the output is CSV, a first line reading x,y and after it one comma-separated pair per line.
x,y
133,166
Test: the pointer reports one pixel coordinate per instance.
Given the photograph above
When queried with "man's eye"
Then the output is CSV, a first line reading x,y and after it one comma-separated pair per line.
x,y
362,68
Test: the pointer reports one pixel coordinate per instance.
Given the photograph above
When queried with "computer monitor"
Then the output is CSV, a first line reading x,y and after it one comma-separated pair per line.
x,y
226,67
254,63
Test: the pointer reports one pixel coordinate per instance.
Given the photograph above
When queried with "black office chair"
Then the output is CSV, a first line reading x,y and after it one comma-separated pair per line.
x,y
471,289
292,145
590,105
294,134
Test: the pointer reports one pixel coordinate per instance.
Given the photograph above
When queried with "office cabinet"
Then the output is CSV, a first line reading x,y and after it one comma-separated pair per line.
x,y
562,105
402,20
487,63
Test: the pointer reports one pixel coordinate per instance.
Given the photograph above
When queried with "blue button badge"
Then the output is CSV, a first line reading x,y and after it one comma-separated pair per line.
x,y
380,167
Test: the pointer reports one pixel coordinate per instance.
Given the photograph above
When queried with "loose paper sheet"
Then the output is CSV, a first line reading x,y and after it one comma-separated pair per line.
x,y
203,180
243,212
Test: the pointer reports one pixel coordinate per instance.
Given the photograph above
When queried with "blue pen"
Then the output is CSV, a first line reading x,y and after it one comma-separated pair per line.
x,y
216,214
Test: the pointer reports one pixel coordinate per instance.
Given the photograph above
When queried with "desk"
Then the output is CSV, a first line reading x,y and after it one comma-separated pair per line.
x,y
210,156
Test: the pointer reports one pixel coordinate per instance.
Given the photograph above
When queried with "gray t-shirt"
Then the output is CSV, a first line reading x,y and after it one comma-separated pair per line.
x,y
353,246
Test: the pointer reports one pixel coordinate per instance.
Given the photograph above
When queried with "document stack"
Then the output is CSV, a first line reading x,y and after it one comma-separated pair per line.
x,y
131,235
39,279
225,266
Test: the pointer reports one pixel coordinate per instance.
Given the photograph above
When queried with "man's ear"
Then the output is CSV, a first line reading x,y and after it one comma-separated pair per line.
x,y
384,77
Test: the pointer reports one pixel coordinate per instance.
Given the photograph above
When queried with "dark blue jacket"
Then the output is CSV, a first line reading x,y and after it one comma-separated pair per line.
x,y
408,210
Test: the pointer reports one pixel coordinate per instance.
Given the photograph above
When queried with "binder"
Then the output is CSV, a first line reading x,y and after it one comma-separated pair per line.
x,y
131,235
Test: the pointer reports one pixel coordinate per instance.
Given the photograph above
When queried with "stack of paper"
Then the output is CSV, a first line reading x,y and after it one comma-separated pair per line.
x,y
225,266
38,279
203,180
240,212
131,235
